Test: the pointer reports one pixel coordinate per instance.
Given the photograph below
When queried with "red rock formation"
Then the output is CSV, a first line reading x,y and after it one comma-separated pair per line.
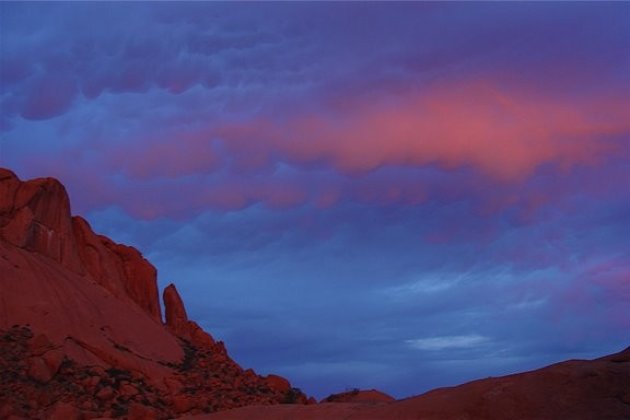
x,y
49,281
120,269
175,313
92,342
359,396
278,382
177,320
35,215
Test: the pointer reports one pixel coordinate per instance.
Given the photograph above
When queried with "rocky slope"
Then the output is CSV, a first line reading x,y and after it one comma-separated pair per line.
x,y
81,327
573,390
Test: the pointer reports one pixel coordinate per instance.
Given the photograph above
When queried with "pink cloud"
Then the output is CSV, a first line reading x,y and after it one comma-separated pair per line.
x,y
327,198
281,195
505,134
165,155
467,129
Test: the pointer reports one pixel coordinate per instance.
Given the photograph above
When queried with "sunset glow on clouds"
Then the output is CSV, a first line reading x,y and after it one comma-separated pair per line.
x,y
422,193
502,134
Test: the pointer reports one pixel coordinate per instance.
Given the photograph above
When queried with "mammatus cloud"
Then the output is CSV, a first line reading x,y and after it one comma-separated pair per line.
x,y
457,138
49,97
505,134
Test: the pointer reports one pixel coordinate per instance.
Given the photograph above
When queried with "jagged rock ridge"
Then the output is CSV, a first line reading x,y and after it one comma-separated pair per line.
x,y
82,330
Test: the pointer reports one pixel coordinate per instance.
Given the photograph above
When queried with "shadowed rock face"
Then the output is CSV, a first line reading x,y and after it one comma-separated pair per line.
x,y
81,327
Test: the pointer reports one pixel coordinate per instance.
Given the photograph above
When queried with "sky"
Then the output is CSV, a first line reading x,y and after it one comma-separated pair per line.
x,y
376,195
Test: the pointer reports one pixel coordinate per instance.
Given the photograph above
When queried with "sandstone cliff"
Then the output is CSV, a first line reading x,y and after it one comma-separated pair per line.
x,y
81,326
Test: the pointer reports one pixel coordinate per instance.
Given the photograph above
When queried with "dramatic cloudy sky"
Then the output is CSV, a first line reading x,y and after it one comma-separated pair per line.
x,y
399,196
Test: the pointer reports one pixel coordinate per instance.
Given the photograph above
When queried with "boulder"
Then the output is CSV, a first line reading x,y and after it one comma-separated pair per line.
x,y
105,393
278,383
39,370
53,360
65,411
141,412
